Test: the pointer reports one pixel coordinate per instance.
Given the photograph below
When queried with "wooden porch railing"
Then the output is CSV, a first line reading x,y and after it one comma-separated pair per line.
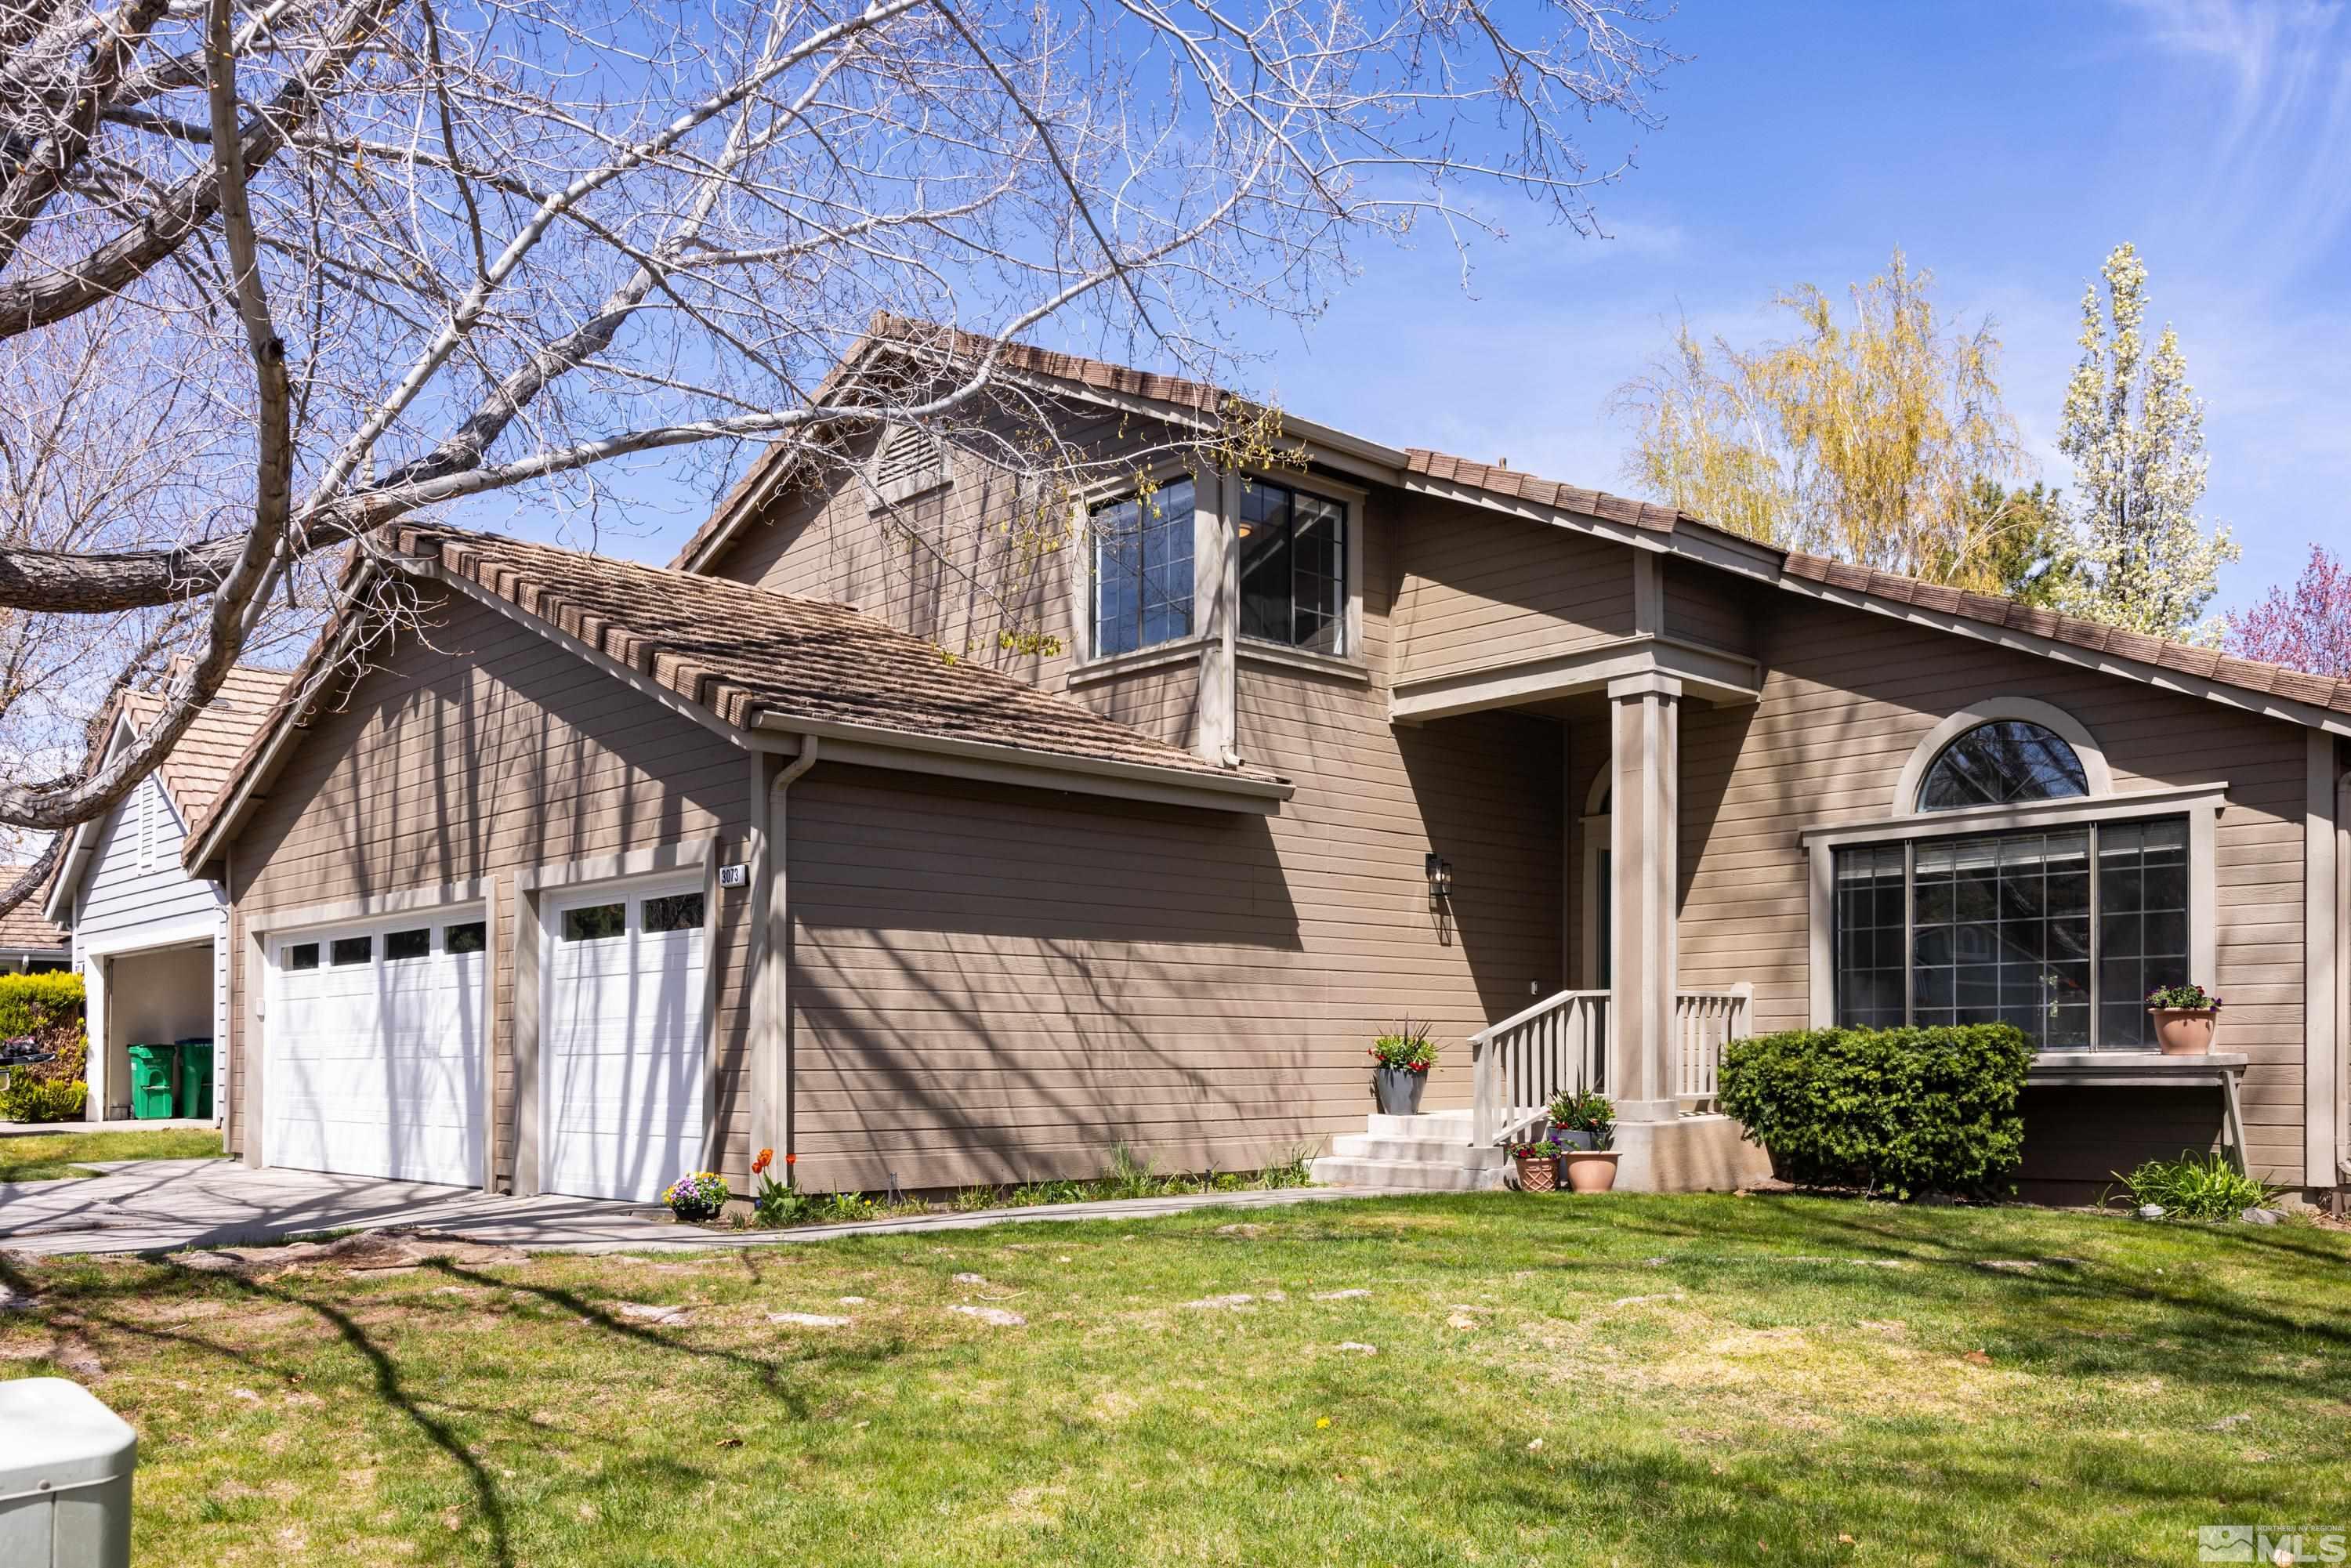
x,y
1560,1045
1557,1046
1704,1023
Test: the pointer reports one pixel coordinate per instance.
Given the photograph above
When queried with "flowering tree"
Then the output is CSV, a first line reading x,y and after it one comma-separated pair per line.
x,y
2307,626
357,259
1871,440
2135,432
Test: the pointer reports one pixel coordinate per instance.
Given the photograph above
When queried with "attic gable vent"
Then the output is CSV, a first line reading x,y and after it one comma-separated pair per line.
x,y
908,460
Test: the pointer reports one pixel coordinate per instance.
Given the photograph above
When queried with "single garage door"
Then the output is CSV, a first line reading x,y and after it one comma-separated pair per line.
x,y
622,1043
376,1049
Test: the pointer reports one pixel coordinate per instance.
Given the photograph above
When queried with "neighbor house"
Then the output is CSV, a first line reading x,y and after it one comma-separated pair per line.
x,y
937,829
150,938
30,942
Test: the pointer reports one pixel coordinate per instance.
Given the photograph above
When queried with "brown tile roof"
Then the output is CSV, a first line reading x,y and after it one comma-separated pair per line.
x,y
1511,483
955,346
1519,486
745,654
25,927
1992,609
194,772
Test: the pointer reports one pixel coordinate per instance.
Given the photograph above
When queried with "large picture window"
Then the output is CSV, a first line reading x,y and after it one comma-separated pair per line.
x,y
2061,932
1143,570
1293,567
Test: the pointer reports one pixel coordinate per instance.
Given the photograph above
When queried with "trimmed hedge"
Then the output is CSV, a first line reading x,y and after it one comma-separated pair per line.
x,y
35,1099
1900,1110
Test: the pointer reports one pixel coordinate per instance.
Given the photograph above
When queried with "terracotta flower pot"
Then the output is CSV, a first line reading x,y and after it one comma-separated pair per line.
x,y
1590,1170
1537,1173
2185,1032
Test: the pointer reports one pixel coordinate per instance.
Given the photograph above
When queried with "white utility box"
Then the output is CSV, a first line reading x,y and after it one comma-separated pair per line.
x,y
65,1476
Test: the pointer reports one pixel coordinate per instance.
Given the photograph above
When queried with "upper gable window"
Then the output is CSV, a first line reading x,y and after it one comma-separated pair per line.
x,y
1293,567
2001,763
1143,570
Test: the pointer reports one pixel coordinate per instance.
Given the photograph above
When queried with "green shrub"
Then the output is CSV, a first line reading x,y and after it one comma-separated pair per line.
x,y
30,1003
1900,1110
49,1008
28,1098
2194,1186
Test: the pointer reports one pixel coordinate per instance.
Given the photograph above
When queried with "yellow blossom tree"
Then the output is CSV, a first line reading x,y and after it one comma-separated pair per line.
x,y
1865,439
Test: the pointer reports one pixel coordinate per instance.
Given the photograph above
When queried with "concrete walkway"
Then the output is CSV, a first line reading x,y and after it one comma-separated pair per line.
x,y
52,1129
154,1206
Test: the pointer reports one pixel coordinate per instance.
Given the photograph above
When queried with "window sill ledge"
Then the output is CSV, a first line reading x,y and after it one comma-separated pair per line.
x,y
1251,651
1157,656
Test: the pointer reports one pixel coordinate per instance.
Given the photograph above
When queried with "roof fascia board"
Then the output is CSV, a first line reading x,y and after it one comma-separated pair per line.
x,y
2242,698
636,680
909,752
228,809
1534,512
83,845
1325,444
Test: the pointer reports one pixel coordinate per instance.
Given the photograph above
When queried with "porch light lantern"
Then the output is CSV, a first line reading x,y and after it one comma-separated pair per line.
x,y
1440,875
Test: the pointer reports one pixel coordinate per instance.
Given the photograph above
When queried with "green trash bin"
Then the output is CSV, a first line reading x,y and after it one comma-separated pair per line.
x,y
151,1081
195,1096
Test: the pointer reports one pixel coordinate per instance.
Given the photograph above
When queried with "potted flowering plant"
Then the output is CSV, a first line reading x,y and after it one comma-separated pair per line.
x,y
1404,1057
697,1198
1538,1165
2184,1017
1583,1123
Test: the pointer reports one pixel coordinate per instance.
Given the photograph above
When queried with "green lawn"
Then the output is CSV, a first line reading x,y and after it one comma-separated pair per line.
x,y
45,1156
1555,1380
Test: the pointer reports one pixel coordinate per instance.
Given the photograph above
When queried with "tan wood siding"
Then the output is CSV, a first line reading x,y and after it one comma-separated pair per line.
x,y
1703,605
1477,590
1850,695
994,985
477,751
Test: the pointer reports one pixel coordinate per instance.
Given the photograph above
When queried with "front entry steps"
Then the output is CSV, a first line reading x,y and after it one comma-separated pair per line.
x,y
1428,1153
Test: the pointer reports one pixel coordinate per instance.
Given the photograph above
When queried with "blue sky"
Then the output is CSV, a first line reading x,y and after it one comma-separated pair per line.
x,y
2007,148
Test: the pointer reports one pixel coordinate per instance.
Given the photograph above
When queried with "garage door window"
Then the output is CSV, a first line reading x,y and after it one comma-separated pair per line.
x,y
678,912
302,956
595,922
354,950
416,943
471,936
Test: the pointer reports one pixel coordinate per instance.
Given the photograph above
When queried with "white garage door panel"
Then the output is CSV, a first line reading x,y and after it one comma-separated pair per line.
x,y
376,1068
625,1051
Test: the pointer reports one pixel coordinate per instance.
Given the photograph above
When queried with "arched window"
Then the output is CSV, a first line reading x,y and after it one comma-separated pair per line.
x,y
1999,763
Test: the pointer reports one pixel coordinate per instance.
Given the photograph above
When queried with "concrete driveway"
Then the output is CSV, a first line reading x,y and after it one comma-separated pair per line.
x,y
164,1206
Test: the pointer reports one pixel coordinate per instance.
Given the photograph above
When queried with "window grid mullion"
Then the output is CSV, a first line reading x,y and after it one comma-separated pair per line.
x,y
1909,932
2097,946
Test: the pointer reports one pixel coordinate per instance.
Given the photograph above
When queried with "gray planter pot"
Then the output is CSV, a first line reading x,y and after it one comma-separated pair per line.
x,y
1569,1139
1399,1089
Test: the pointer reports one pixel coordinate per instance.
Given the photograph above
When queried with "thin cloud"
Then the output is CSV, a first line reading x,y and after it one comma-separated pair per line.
x,y
2279,79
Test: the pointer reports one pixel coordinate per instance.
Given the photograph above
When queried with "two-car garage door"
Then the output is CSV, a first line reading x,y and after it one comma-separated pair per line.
x,y
377,1045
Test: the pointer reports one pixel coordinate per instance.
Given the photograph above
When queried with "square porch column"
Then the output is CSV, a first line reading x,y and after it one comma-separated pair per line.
x,y
1645,762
